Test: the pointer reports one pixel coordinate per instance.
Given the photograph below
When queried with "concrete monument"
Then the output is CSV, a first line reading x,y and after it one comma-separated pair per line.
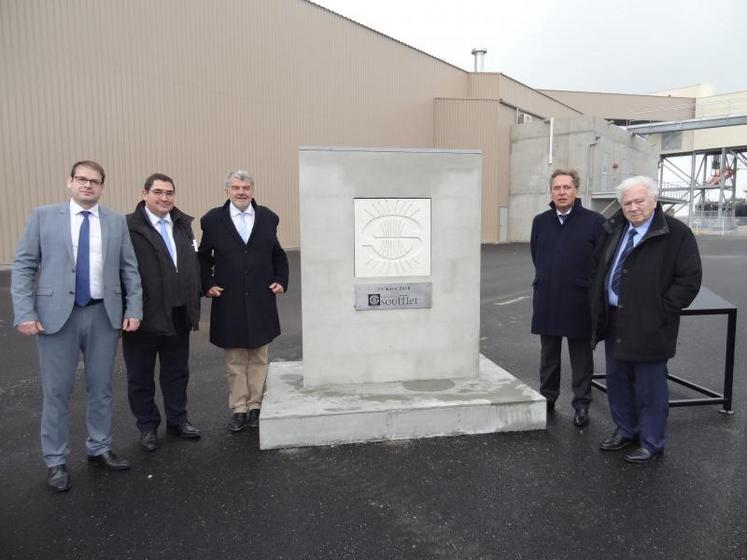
x,y
390,269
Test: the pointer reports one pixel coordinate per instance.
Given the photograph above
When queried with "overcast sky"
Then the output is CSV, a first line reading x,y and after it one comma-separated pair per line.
x,y
635,46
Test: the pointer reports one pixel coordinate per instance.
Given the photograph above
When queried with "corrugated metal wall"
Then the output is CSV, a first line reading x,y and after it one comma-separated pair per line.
x,y
627,106
469,124
195,89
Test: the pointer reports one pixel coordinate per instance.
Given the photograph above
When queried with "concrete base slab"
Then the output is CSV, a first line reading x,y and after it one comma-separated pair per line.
x,y
295,416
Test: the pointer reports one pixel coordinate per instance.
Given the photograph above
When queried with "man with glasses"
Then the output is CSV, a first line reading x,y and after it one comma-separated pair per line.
x,y
73,271
243,268
167,260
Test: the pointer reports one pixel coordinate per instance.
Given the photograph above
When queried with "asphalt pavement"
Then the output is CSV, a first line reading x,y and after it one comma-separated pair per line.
x,y
534,495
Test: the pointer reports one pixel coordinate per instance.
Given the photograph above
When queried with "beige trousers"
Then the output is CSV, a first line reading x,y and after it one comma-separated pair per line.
x,y
246,370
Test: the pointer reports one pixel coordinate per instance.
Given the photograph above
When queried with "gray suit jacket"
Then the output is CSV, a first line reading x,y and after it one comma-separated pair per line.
x,y
46,250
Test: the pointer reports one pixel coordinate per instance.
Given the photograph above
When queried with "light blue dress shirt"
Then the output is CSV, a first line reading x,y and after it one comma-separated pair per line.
x,y
642,229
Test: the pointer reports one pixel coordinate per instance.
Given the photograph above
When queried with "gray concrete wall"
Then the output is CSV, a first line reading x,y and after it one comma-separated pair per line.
x,y
603,155
342,345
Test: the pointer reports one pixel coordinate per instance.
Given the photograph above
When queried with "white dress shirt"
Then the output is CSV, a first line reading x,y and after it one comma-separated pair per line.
x,y
96,257
248,219
169,228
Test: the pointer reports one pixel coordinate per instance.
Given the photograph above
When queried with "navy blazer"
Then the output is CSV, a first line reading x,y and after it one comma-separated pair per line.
x,y
562,256
245,315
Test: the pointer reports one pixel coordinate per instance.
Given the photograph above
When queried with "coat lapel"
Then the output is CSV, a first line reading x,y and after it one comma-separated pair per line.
x,y
228,223
68,236
105,221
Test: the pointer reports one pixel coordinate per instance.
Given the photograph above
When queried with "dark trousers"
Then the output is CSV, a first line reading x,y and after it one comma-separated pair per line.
x,y
140,352
582,366
638,396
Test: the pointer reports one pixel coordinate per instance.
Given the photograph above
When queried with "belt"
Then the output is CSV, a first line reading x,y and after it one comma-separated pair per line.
x,y
92,302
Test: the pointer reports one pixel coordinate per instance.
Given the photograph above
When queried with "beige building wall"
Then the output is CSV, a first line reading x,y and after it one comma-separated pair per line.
x,y
469,124
195,89
620,106
484,121
718,106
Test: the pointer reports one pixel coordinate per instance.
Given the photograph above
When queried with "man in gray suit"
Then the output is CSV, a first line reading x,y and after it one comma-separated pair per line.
x,y
73,270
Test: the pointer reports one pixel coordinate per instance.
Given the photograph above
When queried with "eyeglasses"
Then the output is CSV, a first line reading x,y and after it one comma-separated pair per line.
x,y
82,181
159,193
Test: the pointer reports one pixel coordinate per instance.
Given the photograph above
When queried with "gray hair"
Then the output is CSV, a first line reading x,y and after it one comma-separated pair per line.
x,y
241,175
637,181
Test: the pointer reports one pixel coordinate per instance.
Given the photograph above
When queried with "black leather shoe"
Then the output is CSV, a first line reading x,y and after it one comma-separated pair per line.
x,y
252,419
581,418
109,461
615,442
149,440
58,479
641,455
184,430
238,422
550,406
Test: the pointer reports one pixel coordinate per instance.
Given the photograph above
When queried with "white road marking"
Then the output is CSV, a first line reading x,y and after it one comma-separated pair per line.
x,y
511,300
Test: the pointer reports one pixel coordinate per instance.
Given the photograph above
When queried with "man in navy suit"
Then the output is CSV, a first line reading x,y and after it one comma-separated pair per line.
x,y
562,243
243,268
73,269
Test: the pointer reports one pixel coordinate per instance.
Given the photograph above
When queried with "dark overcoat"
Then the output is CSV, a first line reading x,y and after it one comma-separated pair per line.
x,y
245,315
158,273
661,276
562,262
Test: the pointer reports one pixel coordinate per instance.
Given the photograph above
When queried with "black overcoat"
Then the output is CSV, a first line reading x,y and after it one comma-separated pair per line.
x,y
562,262
245,315
158,273
661,276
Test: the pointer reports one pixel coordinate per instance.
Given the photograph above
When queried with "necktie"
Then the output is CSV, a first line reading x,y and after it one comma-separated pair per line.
x,y
562,218
163,230
242,227
617,276
83,263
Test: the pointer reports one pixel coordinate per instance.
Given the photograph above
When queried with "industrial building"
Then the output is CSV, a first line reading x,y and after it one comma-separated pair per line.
x,y
196,89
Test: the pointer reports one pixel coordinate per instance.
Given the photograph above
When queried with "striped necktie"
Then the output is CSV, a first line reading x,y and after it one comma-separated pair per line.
x,y
617,276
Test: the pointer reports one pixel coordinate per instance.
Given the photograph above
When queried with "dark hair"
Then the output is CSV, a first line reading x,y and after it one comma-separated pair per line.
x,y
572,173
158,177
91,165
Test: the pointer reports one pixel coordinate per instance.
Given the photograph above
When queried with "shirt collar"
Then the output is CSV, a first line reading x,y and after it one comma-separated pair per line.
x,y
235,211
76,208
643,228
155,219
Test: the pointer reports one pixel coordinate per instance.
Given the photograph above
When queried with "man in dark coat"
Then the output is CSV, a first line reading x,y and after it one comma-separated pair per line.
x,y
646,270
165,248
243,268
562,243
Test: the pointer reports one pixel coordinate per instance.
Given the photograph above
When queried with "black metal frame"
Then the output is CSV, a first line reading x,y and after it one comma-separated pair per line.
x,y
707,303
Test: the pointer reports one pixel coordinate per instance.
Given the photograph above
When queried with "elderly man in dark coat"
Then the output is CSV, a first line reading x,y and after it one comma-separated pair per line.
x,y
243,268
646,270
562,243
